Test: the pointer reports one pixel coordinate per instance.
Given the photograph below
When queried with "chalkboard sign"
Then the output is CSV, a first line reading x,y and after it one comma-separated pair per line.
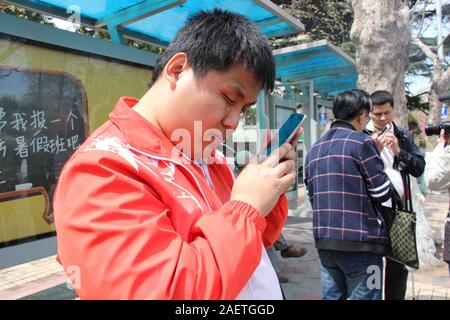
x,y
42,122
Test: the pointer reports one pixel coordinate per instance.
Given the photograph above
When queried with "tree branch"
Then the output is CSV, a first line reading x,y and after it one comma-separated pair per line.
x,y
412,11
423,18
426,50
442,41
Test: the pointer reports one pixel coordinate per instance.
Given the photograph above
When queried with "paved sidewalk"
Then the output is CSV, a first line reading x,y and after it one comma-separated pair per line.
x,y
434,283
26,279
304,272
45,279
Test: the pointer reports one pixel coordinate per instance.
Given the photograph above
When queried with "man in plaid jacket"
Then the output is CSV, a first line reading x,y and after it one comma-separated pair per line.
x,y
344,174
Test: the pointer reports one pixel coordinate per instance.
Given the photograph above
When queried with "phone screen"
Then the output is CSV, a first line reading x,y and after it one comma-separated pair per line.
x,y
286,132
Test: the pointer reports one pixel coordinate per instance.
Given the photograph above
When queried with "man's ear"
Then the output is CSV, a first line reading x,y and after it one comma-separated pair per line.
x,y
175,67
365,117
361,118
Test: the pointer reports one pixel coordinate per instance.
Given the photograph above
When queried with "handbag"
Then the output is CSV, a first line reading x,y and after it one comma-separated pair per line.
x,y
401,228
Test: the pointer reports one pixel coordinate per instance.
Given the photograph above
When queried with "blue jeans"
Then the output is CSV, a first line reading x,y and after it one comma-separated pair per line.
x,y
351,275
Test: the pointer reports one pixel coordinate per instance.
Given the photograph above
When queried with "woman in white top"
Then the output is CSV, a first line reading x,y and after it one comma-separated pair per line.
x,y
437,177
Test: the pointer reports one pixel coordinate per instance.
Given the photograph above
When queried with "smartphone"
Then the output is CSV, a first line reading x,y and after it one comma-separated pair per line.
x,y
388,126
286,133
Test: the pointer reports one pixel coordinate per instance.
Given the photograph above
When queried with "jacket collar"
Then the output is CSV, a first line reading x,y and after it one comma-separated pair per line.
x,y
370,128
397,130
342,124
137,131
141,134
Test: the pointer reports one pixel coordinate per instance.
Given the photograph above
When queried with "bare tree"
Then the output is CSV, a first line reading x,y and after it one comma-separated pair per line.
x,y
381,35
440,77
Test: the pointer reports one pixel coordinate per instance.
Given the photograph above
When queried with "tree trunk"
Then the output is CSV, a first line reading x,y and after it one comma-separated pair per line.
x,y
381,35
435,109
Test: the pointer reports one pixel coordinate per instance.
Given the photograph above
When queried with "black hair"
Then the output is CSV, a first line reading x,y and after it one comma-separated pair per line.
x,y
218,39
381,97
349,104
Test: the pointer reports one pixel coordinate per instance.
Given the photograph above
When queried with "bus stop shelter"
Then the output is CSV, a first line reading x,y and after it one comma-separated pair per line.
x,y
157,21
319,70
74,80
53,61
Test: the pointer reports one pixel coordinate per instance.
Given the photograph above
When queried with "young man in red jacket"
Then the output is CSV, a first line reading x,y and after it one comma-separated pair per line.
x,y
141,213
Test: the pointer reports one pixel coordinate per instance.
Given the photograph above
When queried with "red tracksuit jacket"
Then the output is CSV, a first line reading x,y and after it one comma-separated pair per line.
x,y
134,223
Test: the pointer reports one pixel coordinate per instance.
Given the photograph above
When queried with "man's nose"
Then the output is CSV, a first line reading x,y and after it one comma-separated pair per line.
x,y
231,120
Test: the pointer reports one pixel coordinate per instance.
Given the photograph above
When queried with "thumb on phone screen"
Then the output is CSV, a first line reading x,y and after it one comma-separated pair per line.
x,y
266,139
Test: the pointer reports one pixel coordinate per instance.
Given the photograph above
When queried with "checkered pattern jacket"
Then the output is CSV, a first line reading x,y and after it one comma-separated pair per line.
x,y
342,169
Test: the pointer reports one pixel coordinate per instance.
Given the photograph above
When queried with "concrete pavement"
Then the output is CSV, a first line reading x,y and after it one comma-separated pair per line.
x,y
304,272
44,278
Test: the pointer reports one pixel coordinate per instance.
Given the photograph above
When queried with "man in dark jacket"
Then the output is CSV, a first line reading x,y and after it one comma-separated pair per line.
x,y
342,169
401,158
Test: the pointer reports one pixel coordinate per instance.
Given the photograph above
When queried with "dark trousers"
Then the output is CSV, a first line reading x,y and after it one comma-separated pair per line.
x,y
396,278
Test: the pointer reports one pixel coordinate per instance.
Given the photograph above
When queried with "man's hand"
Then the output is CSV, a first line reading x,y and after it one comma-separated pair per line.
x,y
292,154
378,142
261,185
387,140
390,140
444,137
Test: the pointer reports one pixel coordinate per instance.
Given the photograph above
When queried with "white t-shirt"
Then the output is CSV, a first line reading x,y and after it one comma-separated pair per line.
x,y
388,159
263,284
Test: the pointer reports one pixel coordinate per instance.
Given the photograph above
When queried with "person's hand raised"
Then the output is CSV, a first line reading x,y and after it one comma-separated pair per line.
x,y
444,137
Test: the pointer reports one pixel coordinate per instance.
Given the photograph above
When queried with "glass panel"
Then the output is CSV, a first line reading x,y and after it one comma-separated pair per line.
x,y
42,121
94,9
49,99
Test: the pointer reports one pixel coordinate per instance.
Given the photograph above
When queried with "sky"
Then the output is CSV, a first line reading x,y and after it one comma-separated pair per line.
x,y
64,24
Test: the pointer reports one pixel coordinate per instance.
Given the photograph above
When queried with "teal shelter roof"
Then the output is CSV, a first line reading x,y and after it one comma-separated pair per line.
x,y
329,68
157,21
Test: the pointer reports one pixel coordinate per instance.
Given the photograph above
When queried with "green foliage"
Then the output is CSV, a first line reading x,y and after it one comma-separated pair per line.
x,y
249,117
349,48
144,46
416,103
323,19
23,13
422,143
103,34
94,33
413,124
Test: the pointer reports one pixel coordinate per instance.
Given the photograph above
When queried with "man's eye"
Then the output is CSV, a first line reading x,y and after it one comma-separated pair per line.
x,y
227,99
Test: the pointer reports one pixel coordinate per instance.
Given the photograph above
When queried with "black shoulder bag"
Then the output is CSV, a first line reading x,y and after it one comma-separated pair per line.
x,y
401,228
